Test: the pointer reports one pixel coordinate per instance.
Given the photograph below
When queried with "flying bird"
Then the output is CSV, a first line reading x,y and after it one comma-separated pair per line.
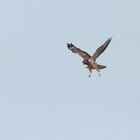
x,y
89,60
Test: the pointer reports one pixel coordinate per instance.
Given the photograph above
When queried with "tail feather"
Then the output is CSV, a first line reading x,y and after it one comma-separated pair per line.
x,y
101,66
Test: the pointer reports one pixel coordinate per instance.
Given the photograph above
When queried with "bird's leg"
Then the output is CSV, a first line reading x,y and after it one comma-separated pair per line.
x,y
98,70
99,74
90,72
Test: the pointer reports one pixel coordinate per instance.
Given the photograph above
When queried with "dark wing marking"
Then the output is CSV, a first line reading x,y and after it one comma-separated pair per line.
x,y
101,49
74,49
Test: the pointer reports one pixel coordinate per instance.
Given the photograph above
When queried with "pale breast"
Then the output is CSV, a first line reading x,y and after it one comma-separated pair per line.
x,y
91,60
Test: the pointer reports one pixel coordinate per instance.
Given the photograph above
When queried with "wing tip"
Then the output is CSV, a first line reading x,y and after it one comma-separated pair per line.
x,y
110,38
108,41
69,45
72,47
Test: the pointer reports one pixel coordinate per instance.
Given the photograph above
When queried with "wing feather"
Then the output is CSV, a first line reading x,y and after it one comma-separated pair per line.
x,y
74,49
101,49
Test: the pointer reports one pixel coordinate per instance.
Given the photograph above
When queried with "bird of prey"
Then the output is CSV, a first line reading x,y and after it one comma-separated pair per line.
x,y
88,60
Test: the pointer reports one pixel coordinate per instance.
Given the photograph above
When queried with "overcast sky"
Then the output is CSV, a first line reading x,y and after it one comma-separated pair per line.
x,y
45,92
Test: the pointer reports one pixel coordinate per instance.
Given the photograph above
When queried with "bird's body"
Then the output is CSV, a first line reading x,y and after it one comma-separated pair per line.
x,y
88,60
91,65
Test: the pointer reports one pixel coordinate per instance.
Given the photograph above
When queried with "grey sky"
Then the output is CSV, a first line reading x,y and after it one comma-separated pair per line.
x,y
45,92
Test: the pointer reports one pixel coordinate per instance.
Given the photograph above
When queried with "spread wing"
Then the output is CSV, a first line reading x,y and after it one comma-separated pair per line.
x,y
74,49
101,49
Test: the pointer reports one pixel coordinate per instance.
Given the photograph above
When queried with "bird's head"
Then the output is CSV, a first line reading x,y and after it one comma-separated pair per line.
x,y
84,62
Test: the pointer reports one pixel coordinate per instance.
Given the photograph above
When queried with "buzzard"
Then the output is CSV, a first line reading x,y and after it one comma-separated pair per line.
x,y
88,60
